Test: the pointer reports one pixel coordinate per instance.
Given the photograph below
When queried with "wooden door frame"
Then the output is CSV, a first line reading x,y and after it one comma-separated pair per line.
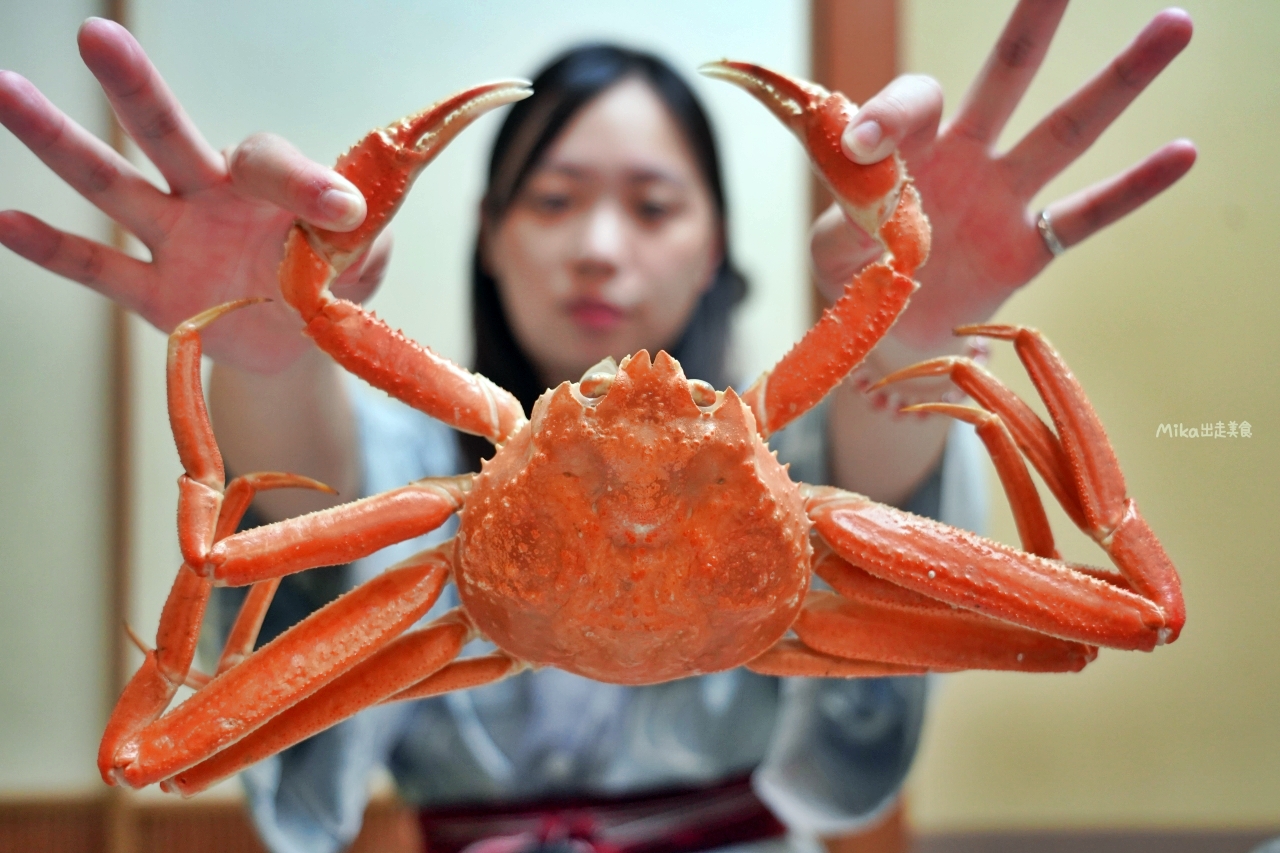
x,y
855,50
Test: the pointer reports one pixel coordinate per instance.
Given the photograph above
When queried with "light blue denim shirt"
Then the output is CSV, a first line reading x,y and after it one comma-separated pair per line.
x,y
826,755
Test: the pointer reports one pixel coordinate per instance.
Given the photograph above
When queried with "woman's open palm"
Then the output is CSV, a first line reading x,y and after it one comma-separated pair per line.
x,y
986,243
215,236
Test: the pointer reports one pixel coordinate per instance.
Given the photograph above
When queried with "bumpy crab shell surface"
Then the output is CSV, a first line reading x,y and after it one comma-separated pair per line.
x,y
636,536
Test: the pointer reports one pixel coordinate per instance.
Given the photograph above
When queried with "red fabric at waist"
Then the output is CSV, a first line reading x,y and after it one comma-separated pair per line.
x,y
672,821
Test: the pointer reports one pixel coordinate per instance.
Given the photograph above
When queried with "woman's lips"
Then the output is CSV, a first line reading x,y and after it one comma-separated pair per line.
x,y
596,315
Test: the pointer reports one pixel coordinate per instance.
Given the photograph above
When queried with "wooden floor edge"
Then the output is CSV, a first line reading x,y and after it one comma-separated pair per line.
x,y
1218,840
72,824
80,824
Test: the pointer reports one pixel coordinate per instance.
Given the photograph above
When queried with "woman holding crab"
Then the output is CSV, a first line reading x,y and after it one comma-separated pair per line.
x,y
602,233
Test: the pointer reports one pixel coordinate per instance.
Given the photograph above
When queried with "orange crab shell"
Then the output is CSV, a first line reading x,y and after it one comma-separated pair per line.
x,y
634,538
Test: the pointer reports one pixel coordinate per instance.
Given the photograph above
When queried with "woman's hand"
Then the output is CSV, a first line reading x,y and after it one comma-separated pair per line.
x,y
985,238
215,236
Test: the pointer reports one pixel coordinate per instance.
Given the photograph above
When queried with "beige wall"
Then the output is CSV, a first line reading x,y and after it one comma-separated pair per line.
x,y
52,449
1169,316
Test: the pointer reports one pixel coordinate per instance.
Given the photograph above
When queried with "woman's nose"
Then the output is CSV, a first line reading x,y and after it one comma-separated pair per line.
x,y
603,239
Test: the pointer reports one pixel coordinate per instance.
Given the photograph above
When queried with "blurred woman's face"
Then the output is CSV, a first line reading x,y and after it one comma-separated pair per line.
x,y
611,240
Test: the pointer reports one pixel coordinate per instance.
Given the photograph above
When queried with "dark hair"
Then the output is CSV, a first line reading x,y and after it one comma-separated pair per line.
x,y
567,84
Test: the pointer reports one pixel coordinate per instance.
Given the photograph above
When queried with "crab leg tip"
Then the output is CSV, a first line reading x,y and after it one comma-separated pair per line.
x,y
204,318
989,330
933,367
297,481
135,639
968,414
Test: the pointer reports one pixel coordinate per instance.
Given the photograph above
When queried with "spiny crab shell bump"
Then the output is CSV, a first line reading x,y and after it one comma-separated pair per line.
x,y
628,530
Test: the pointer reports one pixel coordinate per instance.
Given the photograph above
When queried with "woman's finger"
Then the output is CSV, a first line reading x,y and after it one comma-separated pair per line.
x,y
1008,71
147,110
838,250
1088,211
113,274
1070,129
904,115
88,164
358,282
268,167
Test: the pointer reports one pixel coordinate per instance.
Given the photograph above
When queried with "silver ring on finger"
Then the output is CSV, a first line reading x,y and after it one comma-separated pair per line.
x,y
1045,226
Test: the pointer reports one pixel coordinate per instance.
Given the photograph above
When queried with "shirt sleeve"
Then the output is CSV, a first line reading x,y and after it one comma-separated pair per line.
x,y
841,749
311,798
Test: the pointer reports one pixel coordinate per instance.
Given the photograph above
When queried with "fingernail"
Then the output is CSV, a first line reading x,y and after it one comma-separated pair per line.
x,y
342,208
865,142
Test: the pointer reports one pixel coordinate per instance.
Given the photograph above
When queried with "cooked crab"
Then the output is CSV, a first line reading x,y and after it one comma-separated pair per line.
x,y
635,528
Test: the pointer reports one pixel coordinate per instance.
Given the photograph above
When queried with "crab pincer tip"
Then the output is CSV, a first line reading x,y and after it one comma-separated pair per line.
x,y
443,120
718,68
788,98
514,89
499,92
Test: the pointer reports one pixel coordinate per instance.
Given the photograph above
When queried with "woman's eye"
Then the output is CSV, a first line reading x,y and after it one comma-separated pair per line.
x,y
653,212
551,203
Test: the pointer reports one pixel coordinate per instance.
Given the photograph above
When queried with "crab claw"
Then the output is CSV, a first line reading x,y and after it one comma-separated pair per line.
x,y
384,164
867,194
877,198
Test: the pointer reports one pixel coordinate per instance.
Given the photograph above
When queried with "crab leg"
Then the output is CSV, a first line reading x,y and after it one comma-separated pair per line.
x,y
383,166
163,669
205,515
336,535
836,344
876,618
463,675
168,666
1081,461
420,653
329,537
407,659
792,658
873,627
1028,510
938,639
962,569
299,662
1031,434
244,631
877,198
905,632
240,493
206,519
200,486
1112,516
